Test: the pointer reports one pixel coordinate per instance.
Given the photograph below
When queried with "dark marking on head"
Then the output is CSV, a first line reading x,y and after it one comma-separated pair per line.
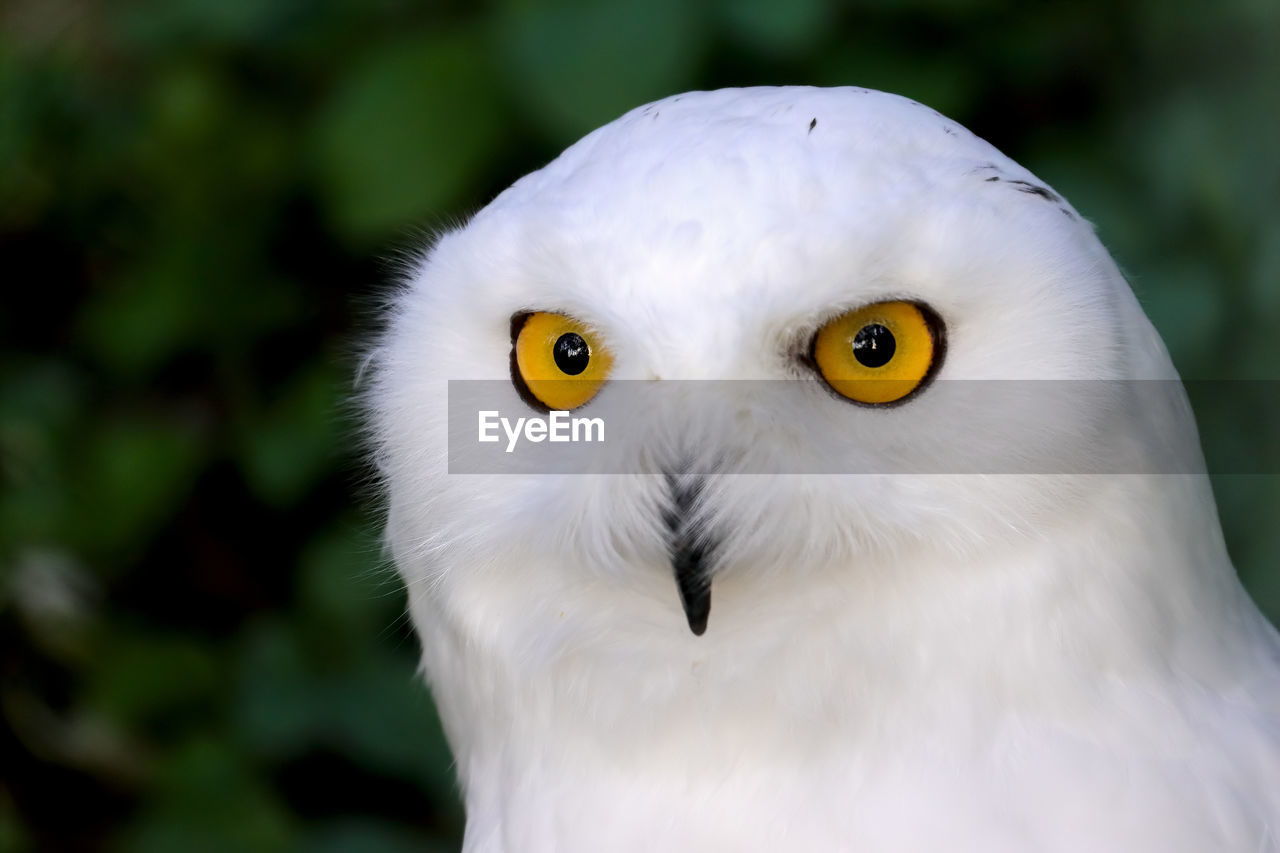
x,y
812,124
1031,189
948,131
1035,189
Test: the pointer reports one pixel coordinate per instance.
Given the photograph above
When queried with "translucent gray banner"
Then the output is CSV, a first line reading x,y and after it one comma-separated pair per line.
x,y
803,427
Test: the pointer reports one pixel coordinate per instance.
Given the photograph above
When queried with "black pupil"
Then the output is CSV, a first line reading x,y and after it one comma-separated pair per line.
x,y
874,345
571,353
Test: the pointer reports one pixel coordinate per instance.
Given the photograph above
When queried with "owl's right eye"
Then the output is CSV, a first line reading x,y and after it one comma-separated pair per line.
x,y
558,361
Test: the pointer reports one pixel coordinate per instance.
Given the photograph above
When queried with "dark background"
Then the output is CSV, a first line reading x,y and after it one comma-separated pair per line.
x,y
201,644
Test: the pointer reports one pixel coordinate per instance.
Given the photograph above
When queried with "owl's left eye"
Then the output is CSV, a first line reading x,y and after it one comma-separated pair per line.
x,y
879,353
558,361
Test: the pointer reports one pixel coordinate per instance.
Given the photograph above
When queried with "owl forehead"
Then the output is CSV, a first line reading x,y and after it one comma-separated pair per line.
x,y
749,159
737,132
714,176
743,216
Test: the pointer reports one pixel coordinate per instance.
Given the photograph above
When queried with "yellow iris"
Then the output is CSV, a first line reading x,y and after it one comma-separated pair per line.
x,y
876,354
560,361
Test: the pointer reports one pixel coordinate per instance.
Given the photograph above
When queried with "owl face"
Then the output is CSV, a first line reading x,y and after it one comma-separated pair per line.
x,y
826,288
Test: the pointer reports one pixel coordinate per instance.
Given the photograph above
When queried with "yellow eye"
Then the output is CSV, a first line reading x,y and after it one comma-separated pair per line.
x,y
878,353
560,362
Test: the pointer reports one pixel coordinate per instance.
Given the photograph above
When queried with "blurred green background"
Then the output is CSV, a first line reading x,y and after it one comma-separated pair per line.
x,y
201,645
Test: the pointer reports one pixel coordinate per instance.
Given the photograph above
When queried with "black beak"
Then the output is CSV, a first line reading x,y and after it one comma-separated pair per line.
x,y
690,554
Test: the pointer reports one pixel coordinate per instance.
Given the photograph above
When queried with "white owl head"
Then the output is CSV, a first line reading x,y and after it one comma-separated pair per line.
x,y
704,242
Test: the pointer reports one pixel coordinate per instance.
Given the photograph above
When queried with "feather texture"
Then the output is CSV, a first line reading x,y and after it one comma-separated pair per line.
x,y
926,661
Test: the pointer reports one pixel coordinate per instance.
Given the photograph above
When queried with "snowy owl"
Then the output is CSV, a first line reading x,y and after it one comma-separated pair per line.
x,y
823,591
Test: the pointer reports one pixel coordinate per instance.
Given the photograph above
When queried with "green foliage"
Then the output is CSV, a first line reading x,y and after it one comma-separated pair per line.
x,y
408,132
576,64
202,646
